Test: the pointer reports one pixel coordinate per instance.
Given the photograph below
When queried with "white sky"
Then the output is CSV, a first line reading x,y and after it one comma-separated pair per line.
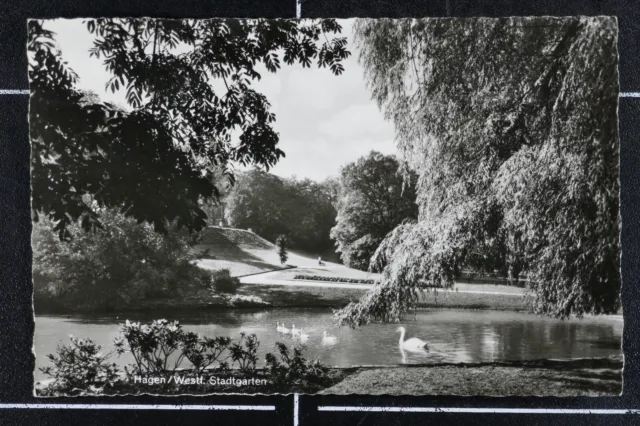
x,y
324,121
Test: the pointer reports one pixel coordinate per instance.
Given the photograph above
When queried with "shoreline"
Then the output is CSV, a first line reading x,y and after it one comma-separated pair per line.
x,y
215,308
265,296
548,377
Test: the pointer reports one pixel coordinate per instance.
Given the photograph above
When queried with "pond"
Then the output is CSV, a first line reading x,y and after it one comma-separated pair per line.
x,y
453,335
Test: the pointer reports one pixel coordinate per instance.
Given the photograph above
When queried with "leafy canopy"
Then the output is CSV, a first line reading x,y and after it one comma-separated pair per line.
x,y
511,126
373,199
154,161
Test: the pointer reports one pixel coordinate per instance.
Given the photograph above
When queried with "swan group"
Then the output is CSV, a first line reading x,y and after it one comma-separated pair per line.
x,y
293,331
300,334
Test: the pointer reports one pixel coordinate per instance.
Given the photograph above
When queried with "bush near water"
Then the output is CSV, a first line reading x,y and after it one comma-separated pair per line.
x,y
160,348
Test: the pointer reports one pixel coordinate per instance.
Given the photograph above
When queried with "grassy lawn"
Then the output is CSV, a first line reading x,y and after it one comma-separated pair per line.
x,y
452,299
280,296
588,377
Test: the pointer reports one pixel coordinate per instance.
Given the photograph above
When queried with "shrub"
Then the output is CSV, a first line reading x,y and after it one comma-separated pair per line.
x,y
80,366
223,282
244,353
152,345
203,352
294,369
281,246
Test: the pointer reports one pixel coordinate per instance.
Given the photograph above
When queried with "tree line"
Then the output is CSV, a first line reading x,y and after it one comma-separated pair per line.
x,y
271,206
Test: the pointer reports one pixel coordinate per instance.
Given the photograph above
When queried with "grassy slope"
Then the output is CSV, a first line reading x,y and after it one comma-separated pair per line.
x,y
240,251
245,253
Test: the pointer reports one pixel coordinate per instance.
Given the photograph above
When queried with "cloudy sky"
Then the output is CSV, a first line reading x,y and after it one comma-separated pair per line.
x,y
324,121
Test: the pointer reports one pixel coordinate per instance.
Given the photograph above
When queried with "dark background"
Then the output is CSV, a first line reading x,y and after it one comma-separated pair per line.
x,y
16,317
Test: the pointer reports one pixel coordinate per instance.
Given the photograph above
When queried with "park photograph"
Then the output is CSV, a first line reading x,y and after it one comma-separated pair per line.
x,y
325,206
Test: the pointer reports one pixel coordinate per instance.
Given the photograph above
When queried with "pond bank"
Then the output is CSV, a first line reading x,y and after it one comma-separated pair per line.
x,y
251,296
582,377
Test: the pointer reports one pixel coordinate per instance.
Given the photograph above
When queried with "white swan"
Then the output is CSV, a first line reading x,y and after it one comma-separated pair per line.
x,y
295,331
303,336
279,327
328,340
284,330
413,344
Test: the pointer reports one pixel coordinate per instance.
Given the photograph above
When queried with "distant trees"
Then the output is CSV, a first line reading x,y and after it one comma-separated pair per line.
x,y
281,247
154,161
511,126
373,199
258,201
269,205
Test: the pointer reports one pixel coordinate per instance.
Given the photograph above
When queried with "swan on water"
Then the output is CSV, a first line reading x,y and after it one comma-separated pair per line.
x,y
327,339
279,327
294,331
413,344
303,336
284,330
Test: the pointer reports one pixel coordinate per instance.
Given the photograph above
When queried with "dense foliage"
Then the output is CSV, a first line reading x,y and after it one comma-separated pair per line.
x,y
511,125
373,199
155,160
161,347
114,267
271,206
223,282
155,347
293,368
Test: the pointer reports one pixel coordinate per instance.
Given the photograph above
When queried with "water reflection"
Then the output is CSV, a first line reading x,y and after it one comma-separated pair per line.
x,y
453,336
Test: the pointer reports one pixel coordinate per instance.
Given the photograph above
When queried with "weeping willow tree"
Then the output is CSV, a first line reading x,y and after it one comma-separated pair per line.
x,y
511,126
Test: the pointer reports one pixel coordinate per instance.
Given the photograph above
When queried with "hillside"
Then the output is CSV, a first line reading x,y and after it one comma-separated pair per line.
x,y
245,253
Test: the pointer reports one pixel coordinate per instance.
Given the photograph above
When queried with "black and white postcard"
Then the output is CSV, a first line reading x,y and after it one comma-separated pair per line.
x,y
362,206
